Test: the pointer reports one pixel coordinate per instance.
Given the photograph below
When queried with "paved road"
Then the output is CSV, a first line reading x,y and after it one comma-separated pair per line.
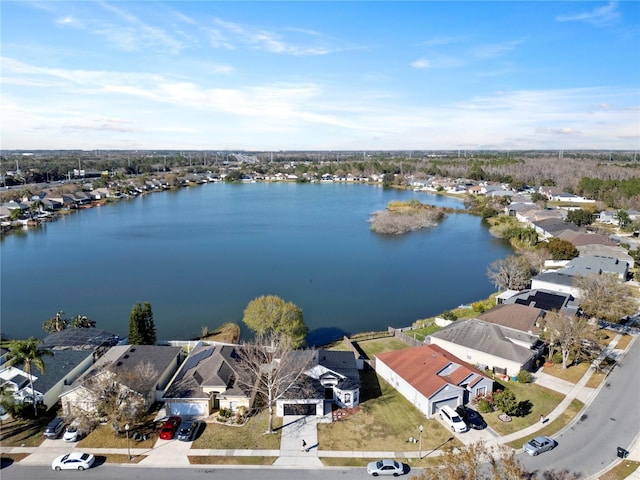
x,y
611,420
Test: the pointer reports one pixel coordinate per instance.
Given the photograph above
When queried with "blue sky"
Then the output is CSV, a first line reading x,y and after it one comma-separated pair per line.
x,y
320,75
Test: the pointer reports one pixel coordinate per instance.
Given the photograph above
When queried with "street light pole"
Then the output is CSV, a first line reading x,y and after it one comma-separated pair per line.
x,y
420,454
126,429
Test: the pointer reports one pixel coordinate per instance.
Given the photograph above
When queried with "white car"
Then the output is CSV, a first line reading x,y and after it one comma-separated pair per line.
x,y
71,434
452,419
73,461
385,467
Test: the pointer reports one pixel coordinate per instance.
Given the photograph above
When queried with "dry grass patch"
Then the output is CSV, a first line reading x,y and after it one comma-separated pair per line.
x,y
595,380
104,437
8,458
229,460
624,341
621,470
119,458
250,436
535,400
225,333
23,433
553,427
384,423
572,374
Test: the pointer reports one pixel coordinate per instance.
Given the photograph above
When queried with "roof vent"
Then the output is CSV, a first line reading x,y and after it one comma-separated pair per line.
x,y
126,356
118,364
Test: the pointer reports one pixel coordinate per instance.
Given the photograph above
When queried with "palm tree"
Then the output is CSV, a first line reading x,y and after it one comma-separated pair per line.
x,y
27,354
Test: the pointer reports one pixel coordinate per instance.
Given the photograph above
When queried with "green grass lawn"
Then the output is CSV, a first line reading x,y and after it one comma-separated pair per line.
x,y
385,421
551,428
379,345
104,437
249,436
537,401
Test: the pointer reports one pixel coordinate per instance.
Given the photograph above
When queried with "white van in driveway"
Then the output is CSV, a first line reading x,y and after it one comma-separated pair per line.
x,y
452,419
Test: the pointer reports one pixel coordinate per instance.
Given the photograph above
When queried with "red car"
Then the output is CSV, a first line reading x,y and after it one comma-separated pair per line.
x,y
169,428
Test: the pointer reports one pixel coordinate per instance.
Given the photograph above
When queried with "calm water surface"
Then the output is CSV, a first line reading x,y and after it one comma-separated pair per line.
x,y
200,254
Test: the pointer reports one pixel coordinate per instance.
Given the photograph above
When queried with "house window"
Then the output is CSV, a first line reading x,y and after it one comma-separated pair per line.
x,y
481,392
347,398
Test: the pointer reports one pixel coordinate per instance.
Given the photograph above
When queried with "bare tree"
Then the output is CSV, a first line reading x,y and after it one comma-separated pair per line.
x,y
605,297
467,463
271,369
513,272
572,335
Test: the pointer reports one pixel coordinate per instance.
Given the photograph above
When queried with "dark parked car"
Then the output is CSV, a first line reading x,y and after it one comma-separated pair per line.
x,y
54,429
169,428
188,430
471,417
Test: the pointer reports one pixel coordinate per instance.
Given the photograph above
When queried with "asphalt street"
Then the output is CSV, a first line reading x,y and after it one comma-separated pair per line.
x,y
611,420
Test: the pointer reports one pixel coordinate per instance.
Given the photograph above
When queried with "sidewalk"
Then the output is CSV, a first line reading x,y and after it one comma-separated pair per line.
x,y
295,429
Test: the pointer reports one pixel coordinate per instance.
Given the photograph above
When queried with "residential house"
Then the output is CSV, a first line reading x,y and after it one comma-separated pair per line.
x,y
207,381
430,377
556,281
547,300
334,380
487,345
579,238
524,320
553,227
607,251
143,370
595,264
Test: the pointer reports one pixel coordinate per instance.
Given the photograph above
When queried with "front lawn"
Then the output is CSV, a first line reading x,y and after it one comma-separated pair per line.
x,y
23,433
572,374
251,436
103,436
534,399
385,422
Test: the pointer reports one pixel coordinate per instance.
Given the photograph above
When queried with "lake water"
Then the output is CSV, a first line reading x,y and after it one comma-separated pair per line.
x,y
200,254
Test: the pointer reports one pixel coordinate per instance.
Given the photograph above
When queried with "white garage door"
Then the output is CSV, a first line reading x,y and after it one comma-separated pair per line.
x,y
187,409
452,402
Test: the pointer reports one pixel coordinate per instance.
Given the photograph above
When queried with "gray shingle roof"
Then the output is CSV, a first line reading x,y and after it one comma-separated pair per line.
x,y
484,337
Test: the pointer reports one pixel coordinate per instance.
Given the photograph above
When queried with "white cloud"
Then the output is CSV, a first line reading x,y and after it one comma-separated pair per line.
x,y
600,16
421,63
488,51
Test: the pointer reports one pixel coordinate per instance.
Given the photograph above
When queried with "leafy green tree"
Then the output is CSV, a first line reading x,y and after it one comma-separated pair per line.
x,y
506,402
55,323
28,354
142,330
580,217
271,314
538,197
623,218
562,249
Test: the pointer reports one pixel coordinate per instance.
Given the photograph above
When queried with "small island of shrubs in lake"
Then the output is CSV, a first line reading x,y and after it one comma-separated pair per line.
x,y
402,217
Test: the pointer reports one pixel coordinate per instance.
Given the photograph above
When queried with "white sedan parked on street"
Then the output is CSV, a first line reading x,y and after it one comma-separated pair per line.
x,y
73,461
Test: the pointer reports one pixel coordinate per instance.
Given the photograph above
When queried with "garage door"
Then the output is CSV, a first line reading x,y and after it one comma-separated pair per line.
x,y
299,408
452,402
187,409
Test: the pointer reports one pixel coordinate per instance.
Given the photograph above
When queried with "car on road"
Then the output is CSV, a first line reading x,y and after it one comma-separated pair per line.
x,y
188,430
71,434
539,445
471,417
452,419
73,461
385,467
169,427
54,428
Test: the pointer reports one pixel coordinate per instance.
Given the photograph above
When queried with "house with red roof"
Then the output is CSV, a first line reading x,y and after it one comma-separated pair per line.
x,y
430,377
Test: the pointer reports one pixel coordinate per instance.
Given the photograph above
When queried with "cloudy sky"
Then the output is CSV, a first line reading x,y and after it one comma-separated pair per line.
x,y
320,75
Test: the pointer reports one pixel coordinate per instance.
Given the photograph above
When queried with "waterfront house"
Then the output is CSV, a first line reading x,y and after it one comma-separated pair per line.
x,y
333,379
430,377
142,370
487,345
207,381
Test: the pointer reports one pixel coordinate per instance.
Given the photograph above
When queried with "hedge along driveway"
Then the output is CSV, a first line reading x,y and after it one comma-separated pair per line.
x,y
384,423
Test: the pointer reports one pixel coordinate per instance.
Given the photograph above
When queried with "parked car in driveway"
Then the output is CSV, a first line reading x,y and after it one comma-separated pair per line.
x,y
452,419
385,467
471,417
539,445
169,427
73,461
188,430
54,428
71,434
